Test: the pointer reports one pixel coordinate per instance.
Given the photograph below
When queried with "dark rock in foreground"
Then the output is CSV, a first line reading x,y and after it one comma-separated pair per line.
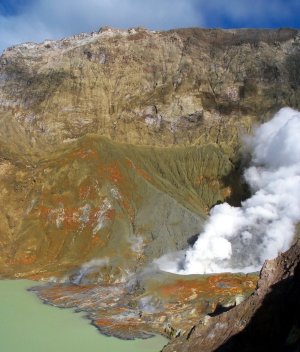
x,y
267,321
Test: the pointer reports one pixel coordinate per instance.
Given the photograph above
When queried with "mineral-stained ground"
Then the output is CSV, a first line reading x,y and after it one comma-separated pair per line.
x,y
114,145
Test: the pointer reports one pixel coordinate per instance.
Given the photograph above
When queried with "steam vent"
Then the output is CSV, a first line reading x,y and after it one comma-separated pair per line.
x,y
152,180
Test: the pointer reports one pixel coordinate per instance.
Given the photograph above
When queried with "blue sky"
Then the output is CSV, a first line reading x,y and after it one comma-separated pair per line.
x,y
36,20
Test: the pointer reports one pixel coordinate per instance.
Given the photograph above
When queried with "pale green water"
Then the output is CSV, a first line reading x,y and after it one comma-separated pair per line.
x,y
27,325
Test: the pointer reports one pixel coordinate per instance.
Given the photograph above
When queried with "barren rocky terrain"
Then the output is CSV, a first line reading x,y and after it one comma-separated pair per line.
x,y
114,145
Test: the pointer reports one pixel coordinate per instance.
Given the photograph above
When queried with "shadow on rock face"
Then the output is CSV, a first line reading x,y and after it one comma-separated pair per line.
x,y
192,240
276,324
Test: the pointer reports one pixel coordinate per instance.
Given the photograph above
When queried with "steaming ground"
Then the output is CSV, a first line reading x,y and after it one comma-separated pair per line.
x,y
241,239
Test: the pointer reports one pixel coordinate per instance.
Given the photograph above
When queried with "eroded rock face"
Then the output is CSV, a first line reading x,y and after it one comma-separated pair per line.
x,y
142,87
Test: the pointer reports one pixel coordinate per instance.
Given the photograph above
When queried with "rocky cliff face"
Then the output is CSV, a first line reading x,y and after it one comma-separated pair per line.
x,y
115,144
181,87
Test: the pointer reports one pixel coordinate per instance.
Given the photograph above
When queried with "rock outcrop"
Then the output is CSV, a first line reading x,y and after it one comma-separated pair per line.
x,y
267,321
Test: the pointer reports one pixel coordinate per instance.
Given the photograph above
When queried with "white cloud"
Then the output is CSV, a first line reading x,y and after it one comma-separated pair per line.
x,y
55,19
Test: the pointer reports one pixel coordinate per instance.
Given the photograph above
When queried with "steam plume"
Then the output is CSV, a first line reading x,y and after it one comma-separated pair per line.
x,y
240,239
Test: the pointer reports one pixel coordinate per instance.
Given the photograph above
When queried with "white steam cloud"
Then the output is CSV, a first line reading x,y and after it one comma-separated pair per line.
x,y
240,239
89,267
